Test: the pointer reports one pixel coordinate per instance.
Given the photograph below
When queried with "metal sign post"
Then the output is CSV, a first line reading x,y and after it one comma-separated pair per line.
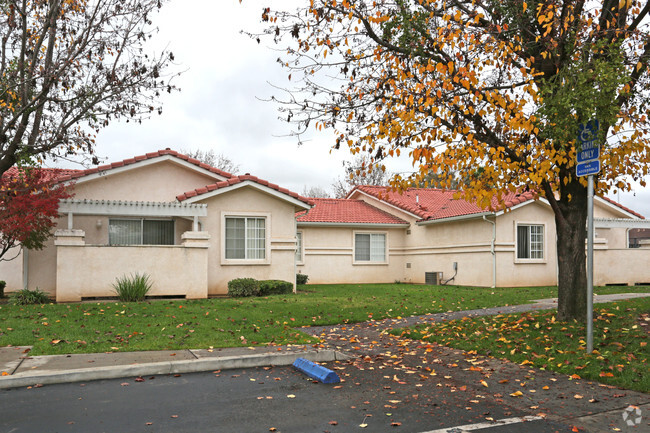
x,y
588,165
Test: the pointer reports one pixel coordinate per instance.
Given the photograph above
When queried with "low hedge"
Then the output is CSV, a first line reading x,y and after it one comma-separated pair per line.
x,y
242,287
302,278
275,287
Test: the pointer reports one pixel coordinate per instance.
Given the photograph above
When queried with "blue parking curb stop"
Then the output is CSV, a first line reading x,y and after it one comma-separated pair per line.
x,y
316,371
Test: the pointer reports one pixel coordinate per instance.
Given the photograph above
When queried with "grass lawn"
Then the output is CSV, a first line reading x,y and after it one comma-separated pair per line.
x,y
537,339
158,325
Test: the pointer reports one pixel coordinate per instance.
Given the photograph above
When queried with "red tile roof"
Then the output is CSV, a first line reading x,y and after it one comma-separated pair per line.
x,y
52,174
626,209
329,210
432,204
238,179
80,173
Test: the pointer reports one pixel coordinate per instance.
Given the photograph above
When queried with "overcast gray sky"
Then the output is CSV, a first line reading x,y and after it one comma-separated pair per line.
x,y
219,105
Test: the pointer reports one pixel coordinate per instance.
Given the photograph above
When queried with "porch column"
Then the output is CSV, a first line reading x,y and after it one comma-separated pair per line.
x,y
67,242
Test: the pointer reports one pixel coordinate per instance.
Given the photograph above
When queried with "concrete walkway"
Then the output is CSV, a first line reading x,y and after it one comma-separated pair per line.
x,y
19,369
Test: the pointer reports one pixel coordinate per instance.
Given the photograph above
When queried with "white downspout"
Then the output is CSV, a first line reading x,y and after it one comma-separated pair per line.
x,y
493,250
25,268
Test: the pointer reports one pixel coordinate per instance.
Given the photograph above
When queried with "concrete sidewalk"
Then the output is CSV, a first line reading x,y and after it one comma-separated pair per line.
x,y
19,369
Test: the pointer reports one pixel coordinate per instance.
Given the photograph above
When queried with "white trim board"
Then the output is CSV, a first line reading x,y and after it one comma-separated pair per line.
x,y
248,183
144,163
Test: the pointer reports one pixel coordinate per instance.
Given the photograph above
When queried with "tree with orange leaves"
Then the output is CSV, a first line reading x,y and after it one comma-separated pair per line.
x,y
497,84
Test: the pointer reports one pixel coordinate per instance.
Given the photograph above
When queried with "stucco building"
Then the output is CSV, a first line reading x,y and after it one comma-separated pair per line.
x,y
193,228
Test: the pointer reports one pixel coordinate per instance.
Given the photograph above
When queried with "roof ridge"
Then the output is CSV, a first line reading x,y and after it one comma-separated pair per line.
x,y
238,179
139,158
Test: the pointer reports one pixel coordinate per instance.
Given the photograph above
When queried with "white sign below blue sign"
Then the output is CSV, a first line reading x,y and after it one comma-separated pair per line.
x,y
587,168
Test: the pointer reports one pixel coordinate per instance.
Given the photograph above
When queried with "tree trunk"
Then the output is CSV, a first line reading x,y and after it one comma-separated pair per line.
x,y
570,224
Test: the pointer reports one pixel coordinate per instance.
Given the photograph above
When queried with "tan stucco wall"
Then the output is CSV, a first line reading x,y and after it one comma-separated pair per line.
x,y
281,235
87,271
328,256
434,248
42,263
160,181
512,272
11,271
627,266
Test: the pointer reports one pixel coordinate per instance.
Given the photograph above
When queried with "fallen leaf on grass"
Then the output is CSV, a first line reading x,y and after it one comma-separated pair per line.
x,y
291,396
333,423
517,394
395,424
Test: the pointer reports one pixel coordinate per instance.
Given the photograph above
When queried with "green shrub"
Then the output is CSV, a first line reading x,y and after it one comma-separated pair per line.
x,y
302,278
275,287
26,296
242,287
3,284
132,288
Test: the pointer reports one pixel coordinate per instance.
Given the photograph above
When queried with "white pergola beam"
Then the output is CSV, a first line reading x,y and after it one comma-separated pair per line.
x,y
131,208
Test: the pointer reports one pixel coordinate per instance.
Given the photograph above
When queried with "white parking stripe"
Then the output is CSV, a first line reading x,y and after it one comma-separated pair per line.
x,y
497,423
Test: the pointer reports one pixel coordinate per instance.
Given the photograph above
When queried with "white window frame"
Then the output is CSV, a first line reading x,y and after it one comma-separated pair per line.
x,y
142,220
369,262
300,247
543,259
267,238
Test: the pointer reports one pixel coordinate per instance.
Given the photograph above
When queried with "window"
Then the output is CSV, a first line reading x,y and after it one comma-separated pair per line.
x,y
245,238
530,241
299,247
140,232
370,247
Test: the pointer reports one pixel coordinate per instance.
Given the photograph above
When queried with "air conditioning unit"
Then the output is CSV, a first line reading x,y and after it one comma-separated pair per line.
x,y
433,278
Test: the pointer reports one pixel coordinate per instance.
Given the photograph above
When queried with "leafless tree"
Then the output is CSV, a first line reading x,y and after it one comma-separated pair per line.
x,y
210,157
69,68
315,192
358,172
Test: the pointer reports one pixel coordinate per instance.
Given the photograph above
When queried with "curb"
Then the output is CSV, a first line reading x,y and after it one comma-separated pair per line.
x,y
167,367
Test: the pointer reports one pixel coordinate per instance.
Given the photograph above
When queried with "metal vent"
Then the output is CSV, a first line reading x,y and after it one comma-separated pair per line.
x,y
433,278
408,266
408,231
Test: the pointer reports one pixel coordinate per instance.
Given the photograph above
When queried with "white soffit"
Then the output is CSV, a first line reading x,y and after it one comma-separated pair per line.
x,y
609,223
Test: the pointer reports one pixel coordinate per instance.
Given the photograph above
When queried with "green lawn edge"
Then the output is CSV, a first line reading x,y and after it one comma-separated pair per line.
x,y
226,322
536,339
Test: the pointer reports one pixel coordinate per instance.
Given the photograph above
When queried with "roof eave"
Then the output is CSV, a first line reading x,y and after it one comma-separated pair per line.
x,y
455,218
349,224
224,189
